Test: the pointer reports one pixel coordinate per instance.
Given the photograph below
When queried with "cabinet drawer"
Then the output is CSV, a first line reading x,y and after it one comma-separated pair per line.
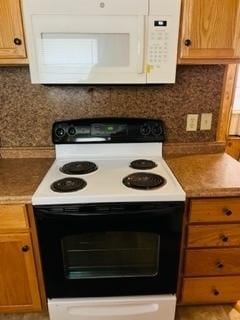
x,y
13,217
211,290
215,210
212,262
222,235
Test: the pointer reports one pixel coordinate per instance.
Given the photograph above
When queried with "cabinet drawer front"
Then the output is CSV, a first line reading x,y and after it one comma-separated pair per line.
x,y
13,217
211,289
223,235
211,262
215,210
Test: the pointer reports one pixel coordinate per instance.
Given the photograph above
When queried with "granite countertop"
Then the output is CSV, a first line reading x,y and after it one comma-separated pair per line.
x,y
19,178
208,175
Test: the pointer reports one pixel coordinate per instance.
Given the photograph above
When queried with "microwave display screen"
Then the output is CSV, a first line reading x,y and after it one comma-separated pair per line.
x,y
160,23
108,129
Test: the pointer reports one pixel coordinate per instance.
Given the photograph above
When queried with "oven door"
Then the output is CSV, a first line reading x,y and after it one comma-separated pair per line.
x,y
110,249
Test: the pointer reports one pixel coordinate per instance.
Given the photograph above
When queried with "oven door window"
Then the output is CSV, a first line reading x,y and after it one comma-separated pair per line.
x,y
111,255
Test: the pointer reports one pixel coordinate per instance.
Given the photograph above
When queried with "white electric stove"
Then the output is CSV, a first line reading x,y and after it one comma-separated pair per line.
x,y
105,184
109,219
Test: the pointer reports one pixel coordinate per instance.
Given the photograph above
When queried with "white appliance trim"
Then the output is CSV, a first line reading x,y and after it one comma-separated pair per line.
x,y
109,151
152,307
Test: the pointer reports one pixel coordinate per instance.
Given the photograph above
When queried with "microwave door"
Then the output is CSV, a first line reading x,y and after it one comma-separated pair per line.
x,y
90,49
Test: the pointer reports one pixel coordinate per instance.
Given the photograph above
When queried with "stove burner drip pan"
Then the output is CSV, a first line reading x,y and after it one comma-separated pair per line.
x,y
79,167
143,164
68,185
144,181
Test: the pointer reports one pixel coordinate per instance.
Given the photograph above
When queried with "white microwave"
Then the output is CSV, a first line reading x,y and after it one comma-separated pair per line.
x,y
102,41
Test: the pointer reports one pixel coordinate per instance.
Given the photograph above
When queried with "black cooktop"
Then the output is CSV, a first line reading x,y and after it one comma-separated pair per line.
x,y
144,181
143,164
68,185
79,167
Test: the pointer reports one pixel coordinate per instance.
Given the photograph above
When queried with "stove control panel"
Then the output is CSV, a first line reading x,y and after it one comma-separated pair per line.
x,y
111,130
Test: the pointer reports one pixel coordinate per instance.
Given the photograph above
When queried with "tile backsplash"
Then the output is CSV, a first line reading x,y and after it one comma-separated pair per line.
x,y
27,111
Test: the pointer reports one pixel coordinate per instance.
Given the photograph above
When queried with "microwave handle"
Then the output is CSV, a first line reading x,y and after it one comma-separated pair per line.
x,y
141,39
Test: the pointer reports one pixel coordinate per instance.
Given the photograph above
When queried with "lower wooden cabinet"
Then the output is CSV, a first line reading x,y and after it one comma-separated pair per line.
x,y
222,235
18,278
211,264
211,290
19,288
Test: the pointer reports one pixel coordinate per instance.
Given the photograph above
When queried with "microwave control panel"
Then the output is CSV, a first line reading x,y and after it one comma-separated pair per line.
x,y
158,43
162,48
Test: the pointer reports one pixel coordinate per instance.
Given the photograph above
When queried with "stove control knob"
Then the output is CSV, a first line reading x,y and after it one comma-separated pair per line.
x,y
145,129
60,132
157,130
72,131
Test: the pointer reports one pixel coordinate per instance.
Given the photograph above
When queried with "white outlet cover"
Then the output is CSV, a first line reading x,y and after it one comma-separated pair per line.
x,y
192,122
206,121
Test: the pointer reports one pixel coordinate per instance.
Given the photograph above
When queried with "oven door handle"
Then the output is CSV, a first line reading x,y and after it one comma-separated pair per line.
x,y
111,311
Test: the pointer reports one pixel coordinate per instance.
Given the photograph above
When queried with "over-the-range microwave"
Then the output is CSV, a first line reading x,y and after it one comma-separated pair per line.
x,y
102,41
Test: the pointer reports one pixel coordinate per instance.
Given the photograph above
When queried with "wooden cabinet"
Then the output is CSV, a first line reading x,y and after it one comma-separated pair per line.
x,y
214,210
211,268
13,217
212,262
233,147
211,289
222,235
19,288
210,31
18,279
12,44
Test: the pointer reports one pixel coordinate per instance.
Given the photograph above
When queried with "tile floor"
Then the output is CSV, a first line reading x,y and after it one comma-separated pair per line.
x,y
225,312
183,313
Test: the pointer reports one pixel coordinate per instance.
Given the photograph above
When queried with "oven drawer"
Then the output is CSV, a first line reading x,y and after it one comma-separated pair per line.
x,y
211,290
13,217
121,308
211,262
215,210
223,235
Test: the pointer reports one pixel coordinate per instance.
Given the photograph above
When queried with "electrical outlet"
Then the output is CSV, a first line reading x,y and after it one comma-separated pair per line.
x,y
192,122
206,121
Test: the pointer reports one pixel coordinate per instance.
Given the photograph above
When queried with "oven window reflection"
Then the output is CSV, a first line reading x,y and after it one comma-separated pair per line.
x,y
111,255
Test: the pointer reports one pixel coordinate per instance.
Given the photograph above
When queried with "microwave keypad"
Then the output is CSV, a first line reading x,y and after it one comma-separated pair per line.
x,y
158,48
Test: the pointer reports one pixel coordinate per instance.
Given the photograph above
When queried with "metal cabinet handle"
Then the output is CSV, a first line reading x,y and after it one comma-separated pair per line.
x,y
227,212
219,265
224,238
216,292
25,248
188,42
17,41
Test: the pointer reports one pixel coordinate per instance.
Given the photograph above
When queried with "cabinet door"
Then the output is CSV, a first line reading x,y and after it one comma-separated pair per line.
x,y
11,30
210,29
18,279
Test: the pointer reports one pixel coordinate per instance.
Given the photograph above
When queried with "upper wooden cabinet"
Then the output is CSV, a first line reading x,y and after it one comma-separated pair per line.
x,y
210,31
12,45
